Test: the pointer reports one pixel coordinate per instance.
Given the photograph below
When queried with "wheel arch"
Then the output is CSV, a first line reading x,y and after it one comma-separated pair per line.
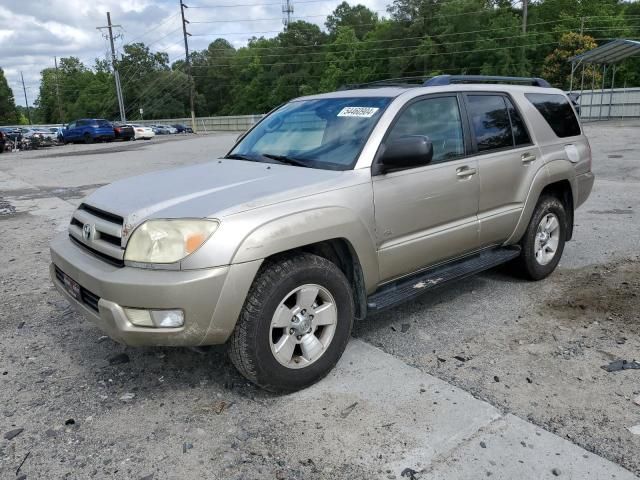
x,y
341,253
335,233
556,178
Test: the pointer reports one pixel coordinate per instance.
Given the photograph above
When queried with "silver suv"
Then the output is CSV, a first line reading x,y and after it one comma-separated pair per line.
x,y
334,206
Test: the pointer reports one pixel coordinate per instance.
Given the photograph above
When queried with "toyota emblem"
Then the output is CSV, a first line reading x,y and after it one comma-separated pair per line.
x,y
87,228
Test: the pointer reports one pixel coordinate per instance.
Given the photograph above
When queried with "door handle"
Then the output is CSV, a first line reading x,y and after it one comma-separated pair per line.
x,y
464,172
528,157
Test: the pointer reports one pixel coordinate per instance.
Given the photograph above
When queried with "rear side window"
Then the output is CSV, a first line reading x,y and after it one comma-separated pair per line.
x,y
490,122
558,113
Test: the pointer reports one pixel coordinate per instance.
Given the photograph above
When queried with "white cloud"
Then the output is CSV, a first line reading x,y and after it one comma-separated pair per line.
x,y
32,32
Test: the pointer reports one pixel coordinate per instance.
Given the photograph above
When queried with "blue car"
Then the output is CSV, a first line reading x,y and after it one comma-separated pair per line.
x,y
88,130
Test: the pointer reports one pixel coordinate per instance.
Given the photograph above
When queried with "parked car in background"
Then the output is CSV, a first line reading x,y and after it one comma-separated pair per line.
x,y
123,132
38,137
181,128
160,130
3,141
88,130
58,133
12,137
142,132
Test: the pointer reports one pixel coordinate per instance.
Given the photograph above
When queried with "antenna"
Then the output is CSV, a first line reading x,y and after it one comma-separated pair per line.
x,y
287,10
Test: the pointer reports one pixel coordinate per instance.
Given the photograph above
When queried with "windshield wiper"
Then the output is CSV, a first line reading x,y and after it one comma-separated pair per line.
x,y
241,156
286,160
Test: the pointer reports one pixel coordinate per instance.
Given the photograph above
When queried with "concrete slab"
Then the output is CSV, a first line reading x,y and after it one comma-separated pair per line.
x,y
514,448
393,416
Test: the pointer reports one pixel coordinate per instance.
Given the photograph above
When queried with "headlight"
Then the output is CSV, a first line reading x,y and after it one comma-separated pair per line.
x,y
167,241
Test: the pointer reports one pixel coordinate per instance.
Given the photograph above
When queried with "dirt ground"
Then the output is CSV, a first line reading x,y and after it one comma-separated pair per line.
x,y
87,407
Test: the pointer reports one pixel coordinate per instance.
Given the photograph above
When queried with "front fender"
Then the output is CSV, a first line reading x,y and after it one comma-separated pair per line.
x,y
308,227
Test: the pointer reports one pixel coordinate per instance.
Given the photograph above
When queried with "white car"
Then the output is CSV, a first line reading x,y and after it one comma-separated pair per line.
x,y
142,132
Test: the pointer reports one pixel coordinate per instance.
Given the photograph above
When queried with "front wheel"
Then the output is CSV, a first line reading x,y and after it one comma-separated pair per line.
x,y
87,138
543,242
295,323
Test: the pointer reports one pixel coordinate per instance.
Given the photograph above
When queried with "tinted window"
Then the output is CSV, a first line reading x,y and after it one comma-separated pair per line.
x,y
520,134
436,118
490,122
558,113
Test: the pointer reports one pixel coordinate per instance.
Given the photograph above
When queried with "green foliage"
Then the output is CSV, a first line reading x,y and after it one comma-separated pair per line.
x,y
557,69
8,112
416,38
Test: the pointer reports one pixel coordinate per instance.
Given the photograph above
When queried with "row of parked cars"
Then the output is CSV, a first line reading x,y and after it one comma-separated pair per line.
x,y
86,130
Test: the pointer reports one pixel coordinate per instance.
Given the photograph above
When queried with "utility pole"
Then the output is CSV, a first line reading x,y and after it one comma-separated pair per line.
x,y
581,25
60,118
287,10
114,62
26,101
192,87
525,14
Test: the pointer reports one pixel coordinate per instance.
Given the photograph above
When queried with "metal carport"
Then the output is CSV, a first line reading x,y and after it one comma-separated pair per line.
x,y
607,56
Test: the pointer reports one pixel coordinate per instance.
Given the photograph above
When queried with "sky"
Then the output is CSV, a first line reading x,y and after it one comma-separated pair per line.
x,y
33,32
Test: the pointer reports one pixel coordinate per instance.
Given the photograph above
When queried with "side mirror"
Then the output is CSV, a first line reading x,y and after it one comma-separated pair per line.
x,y
406,152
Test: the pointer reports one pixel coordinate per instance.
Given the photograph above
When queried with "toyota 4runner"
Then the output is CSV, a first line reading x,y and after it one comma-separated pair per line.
x,y
332,207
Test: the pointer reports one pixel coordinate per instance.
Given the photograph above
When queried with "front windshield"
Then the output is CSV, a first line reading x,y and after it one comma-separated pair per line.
x,y
327,133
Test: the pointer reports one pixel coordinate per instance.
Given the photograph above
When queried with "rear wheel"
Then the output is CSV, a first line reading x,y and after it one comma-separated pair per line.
x,y
295,323
87,138
543,242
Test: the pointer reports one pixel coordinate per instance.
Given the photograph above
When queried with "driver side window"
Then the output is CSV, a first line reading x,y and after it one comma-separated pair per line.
x,y
439,120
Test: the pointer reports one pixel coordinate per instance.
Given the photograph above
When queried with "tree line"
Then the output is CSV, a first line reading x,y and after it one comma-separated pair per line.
x,y
416,38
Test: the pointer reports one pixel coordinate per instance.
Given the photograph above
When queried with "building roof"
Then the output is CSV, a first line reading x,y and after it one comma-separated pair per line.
x,y
609,53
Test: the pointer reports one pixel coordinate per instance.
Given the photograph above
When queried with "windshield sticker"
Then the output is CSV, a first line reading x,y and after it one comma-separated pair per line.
x,y
360,112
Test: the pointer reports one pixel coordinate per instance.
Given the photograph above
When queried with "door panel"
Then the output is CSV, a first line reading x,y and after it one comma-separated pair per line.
x,y
425,216
507,163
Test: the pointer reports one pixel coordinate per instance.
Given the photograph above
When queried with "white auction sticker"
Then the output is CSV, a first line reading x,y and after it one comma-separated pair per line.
x,y
361,112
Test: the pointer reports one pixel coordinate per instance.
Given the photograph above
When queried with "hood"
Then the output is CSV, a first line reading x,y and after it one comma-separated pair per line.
x,y
212,189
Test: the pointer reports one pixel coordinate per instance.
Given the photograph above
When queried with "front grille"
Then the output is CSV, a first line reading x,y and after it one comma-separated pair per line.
x,y
113,261
103,237
90,299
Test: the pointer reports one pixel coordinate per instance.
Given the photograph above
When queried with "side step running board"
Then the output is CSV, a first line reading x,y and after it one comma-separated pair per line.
x,y
405,289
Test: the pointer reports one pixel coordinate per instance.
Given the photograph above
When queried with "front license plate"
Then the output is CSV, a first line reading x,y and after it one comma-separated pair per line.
x,y
72,287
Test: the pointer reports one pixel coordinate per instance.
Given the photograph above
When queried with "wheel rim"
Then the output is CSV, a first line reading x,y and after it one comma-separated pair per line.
x,y
303,326
547,239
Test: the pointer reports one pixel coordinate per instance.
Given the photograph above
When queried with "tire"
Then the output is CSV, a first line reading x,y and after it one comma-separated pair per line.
x,y
541,252
253,343
87,138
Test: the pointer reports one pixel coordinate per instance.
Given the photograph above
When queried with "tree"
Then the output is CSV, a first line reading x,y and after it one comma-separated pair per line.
x,y
8,112
359,18
557,69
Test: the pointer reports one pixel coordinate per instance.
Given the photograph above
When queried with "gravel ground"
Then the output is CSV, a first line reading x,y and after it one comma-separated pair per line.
x,y
89,407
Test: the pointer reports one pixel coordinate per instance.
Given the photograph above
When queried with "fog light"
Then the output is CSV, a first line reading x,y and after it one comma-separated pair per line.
x,y
155,318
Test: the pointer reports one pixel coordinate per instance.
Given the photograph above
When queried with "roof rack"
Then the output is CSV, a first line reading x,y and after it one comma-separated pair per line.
x,y
441,80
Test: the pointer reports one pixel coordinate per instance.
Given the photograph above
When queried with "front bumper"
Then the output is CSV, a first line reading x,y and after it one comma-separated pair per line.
x,y
211,298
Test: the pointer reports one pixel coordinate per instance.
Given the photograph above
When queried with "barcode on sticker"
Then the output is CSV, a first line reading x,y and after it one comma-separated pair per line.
x,y
362,112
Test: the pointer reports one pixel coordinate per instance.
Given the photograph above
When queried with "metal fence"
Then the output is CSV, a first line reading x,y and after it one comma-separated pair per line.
x,y
618,103
236,123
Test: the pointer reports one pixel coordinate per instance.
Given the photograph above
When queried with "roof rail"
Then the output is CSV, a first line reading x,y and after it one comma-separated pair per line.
x,y
387,82
441,80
